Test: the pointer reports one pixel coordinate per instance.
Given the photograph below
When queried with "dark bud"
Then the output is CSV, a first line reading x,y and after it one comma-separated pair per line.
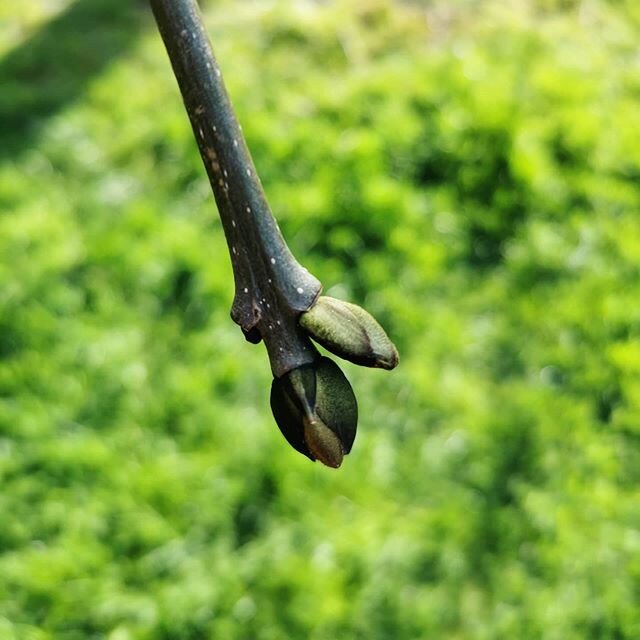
x,y
316,410
350,332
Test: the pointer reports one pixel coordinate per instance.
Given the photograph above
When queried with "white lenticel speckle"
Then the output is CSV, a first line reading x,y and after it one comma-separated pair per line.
x,y
300,290
273,260
225,173
248,172
233,224
246,290
215,128
235,142
248,209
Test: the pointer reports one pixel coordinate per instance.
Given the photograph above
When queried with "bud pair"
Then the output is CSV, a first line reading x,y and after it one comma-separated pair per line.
x,y
314,405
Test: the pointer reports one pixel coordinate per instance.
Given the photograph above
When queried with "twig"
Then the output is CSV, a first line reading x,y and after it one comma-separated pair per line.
x,y
272,288
276,299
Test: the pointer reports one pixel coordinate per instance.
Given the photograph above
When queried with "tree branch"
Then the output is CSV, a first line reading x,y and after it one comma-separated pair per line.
x,y
272,288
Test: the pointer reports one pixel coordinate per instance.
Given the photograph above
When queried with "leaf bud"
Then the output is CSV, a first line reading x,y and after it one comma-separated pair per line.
x,y
316,411
350,332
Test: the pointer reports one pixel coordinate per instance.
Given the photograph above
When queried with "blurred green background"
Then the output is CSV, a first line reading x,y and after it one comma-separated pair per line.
x,y
469,172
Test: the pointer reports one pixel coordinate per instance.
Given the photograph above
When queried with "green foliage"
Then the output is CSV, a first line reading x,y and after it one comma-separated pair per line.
x,y
468,172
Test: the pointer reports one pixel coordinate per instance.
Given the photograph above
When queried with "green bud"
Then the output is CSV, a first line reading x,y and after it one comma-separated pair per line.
x,y
350,332
316,411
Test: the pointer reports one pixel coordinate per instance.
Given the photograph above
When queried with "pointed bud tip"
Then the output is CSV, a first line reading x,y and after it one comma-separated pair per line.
x,y
323,443
388,360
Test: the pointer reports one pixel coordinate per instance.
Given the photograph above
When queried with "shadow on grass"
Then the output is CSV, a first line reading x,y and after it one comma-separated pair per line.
x,y
52,68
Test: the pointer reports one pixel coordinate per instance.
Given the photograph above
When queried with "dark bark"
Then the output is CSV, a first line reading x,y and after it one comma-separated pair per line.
x,y
272,288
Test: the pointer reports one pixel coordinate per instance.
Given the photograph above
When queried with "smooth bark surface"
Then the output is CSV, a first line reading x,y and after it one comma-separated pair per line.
x,y
272,288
